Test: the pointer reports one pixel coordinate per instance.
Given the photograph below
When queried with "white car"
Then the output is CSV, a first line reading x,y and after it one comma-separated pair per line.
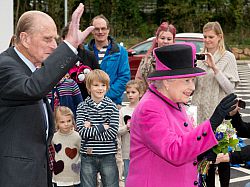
x,y
196,38
138,51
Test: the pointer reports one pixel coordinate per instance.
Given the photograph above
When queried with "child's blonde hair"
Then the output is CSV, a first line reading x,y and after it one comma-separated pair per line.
x,y
64,111
97,75
137,84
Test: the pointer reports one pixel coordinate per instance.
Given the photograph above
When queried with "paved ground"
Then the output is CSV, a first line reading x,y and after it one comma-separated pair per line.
x,y
240,176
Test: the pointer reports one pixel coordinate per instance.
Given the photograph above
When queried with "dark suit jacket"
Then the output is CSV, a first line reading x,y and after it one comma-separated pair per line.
x,y
23,147
243,130
87,58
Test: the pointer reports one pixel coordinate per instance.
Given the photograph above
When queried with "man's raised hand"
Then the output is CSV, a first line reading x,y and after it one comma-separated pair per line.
x,y
76,37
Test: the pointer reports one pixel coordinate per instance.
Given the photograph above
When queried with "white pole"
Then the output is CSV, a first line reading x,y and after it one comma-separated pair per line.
x,y
6,12
65,12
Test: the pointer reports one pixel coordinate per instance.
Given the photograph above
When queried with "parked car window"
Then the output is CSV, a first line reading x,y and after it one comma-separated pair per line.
x,y
142,48
198,44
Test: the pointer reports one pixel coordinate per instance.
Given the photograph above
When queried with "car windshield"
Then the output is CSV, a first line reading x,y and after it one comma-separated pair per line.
x,y
142,48
198,44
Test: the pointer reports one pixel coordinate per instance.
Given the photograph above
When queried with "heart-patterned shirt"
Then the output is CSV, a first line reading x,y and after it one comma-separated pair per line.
x,y
67,164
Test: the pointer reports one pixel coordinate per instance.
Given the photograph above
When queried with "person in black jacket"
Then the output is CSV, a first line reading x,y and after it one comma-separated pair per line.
x,y
243,130
87,61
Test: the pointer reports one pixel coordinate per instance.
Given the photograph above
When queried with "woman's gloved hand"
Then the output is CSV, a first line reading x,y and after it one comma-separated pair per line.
x,y
226,105
210,155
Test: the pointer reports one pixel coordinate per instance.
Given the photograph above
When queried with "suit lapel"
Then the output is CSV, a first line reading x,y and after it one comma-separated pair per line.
x,y
12,53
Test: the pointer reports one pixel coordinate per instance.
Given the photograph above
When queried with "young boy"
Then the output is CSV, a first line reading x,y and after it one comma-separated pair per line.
x,y
97,123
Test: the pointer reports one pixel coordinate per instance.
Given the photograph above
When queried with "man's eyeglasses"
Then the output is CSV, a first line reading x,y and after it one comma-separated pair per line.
x,y
103,29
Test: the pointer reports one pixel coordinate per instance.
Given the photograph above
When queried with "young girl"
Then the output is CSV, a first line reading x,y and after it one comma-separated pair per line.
x,y
67,143
134,91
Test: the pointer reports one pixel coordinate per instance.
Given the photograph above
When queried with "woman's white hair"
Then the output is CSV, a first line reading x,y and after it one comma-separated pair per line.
x,y
159,83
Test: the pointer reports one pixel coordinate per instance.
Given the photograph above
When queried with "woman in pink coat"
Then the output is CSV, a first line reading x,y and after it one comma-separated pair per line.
x,y
164,143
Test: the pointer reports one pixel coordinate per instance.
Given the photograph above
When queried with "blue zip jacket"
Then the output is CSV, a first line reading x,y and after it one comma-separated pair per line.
x,y
115,64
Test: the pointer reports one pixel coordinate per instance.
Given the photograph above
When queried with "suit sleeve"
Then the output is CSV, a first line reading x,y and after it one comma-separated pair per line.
x,y
239,157
19,88
77,96
242,128
94,62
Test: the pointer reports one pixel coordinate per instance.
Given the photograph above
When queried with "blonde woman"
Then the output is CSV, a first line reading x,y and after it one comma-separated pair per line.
x,y
221,79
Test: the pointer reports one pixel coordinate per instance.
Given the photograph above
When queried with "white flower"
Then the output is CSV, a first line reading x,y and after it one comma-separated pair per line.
x,y
234,136
222,127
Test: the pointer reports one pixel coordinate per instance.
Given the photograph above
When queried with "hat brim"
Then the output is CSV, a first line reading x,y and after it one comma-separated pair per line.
x,y
177,73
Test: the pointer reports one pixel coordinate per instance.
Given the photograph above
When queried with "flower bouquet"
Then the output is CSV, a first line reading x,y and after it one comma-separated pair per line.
x,y
226,136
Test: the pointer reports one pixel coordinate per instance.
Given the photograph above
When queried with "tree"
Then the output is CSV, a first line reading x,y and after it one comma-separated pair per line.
x,y
129,18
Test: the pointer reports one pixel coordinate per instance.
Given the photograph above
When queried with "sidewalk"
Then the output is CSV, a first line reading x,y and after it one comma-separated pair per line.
x,y
243,61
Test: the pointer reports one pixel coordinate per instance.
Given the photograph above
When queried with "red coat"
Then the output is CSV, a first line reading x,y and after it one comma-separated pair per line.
x,y
164,145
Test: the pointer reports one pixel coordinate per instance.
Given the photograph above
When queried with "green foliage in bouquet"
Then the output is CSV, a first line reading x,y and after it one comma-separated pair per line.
x,y
226,136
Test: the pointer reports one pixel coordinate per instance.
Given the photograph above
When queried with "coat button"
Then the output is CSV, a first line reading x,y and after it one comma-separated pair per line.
x,y
185,124
195,183
198,138
204,133
195,163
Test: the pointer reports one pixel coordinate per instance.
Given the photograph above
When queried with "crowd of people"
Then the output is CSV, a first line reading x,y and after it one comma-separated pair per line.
x,y
62,122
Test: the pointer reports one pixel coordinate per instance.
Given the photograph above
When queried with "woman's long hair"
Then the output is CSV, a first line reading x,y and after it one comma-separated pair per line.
x,y
163,27
215,26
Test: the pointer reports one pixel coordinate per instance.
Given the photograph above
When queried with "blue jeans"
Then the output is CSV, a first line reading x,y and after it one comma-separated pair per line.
x,y
247,184
105,164
126,167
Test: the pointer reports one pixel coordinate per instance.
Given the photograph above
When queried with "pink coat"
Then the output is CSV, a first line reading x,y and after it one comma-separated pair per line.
x,y
164,145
